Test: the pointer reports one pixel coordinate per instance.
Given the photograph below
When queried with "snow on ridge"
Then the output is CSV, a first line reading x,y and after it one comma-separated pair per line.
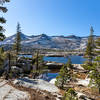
x,y
58,42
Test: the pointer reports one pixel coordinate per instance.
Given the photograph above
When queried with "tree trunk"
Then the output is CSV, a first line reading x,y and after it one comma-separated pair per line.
x,y
37,66
62,84
9,62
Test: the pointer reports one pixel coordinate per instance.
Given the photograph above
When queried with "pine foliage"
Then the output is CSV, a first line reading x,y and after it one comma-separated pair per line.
x,y
2,57
95,75
65,75
89,53
17,44
2,19
70,95
90,45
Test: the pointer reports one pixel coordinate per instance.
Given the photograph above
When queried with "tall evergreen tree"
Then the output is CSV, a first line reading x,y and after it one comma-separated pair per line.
x,y
95,75
17,44
2,19
89,53
90,46
2,30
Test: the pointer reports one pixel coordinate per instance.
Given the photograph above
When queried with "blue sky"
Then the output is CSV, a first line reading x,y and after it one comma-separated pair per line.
x,y
53,17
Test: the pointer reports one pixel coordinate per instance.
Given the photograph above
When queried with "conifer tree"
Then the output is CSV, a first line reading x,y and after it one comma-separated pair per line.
x,y
95,75
70,67
2,19
2,57
17,44
89,53
90,46
2,30
64,74
69,64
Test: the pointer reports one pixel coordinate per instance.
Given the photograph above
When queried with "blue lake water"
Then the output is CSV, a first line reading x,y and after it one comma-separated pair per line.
x,y
49,76
52,75
75,59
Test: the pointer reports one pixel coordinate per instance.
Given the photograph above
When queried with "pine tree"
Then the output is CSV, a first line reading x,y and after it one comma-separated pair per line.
x,y
2,30
69,64
64,74
63,77
2,57
37,60
90,46
2,19
95,75
89,53
17,44
70,67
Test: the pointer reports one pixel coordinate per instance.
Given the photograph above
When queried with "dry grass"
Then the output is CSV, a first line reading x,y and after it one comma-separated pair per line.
x,y
89,92
62,92
81,75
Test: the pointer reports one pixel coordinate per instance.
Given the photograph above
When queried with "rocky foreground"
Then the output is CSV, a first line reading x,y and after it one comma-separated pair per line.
x,y
28,89
37,89
8,92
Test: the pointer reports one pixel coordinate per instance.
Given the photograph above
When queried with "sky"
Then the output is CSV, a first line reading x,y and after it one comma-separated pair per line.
x,y
53,17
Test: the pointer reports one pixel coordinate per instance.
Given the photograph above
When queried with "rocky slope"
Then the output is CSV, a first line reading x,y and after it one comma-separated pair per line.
x,y
49,42
7,92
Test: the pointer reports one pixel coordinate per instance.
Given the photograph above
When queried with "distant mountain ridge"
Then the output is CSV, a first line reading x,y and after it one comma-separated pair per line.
x,y
50,42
